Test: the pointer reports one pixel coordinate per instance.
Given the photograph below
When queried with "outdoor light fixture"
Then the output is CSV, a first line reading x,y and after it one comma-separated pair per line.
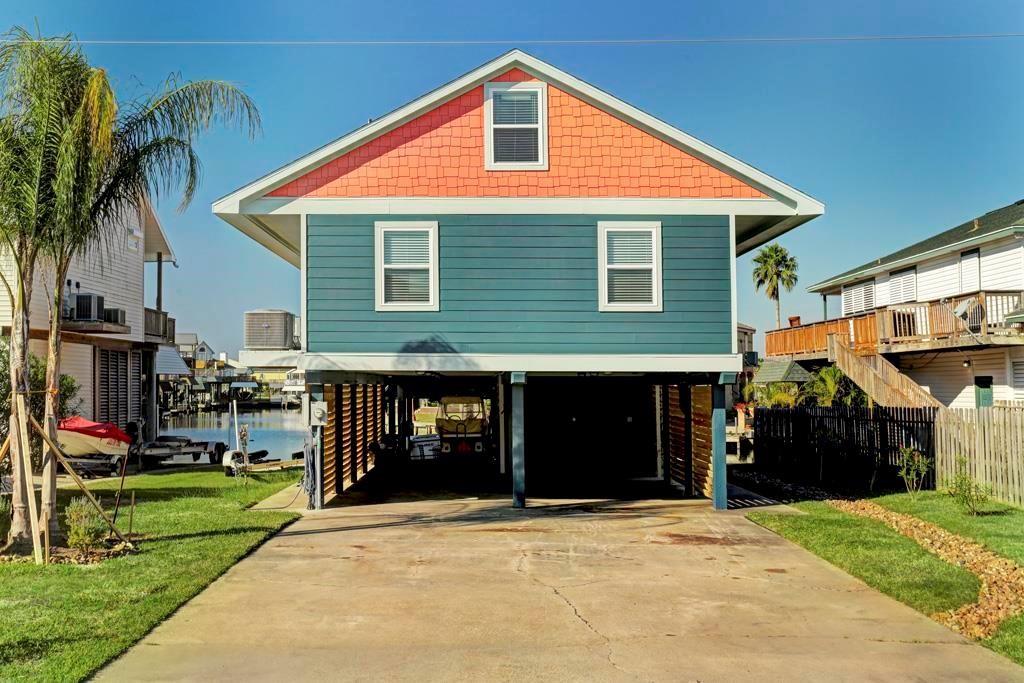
x,y
967,362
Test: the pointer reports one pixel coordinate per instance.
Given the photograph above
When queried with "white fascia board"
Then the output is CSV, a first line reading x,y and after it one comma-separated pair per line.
x,y
487,362
834,285
518,205
798,202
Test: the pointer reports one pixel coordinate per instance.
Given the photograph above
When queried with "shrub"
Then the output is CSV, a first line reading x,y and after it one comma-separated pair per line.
x,y
86,527
914,469
969,494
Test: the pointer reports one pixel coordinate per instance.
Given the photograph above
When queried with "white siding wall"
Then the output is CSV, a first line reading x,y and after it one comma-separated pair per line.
x,y
949,381
77,361
938,278
882,294
1002,266
114,269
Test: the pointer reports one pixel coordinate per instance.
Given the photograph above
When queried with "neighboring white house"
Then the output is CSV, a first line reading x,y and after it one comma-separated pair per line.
x,y
110,348
947,310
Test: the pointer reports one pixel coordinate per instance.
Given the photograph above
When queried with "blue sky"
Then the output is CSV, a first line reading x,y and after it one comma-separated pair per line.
x,y
898,139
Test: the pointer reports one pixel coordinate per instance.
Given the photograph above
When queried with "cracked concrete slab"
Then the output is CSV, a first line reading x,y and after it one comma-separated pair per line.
x,y
568,590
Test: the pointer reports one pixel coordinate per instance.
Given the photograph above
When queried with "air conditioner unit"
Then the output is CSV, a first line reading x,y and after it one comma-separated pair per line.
x,y
269,329
86,307
114,315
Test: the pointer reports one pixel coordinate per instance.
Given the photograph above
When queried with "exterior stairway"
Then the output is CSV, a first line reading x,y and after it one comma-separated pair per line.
x,y
880,379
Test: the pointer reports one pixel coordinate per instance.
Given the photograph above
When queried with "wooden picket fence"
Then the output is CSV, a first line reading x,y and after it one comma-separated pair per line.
x,y
992,442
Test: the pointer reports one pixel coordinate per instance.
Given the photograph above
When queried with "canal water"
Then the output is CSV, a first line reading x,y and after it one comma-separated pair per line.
x,y
280,432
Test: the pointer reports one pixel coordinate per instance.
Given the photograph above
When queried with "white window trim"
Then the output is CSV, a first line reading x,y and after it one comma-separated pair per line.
x,y
654,227
542,125
379,228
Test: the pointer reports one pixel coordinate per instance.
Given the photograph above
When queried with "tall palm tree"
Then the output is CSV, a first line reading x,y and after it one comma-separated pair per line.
x,y
774,268
149,154
44,113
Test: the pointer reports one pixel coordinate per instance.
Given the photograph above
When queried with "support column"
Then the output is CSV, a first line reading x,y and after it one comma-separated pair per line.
x,y
719,485
824,307
160,282
518,441
152,428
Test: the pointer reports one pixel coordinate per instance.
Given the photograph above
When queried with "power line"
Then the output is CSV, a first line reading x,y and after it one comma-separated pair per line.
x,y
579,42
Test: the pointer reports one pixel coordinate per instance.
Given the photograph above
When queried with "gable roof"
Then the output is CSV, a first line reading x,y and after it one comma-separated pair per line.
x,y
993,225
237,208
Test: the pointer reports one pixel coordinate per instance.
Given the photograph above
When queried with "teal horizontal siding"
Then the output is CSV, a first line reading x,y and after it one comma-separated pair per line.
x,y
518,284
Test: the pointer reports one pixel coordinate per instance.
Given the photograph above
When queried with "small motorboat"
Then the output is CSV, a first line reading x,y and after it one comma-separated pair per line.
x,y
81,438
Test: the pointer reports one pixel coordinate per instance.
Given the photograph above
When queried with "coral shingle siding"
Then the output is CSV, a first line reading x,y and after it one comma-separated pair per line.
x,y
591,154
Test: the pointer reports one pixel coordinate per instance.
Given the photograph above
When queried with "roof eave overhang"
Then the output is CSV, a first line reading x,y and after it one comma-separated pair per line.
x,y
835,285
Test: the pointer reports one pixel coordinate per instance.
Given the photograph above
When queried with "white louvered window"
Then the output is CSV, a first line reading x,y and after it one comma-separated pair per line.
x,y
1018,380
903,286
858,298
516,126
405,255
629,266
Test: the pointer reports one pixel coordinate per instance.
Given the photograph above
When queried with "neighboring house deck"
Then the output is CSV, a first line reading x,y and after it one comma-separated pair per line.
x,y
948,312
521,235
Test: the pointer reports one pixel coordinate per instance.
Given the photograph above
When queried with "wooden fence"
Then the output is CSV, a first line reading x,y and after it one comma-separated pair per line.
x,y
840,447
991,440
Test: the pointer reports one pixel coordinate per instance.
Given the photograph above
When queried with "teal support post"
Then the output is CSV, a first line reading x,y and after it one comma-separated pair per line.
x,y
719,485
518,441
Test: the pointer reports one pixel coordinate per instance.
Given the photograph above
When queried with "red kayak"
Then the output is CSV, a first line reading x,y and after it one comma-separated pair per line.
x,y
80,437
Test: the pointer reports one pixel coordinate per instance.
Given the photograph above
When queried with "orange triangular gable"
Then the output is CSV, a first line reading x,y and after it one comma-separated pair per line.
x,y
591,153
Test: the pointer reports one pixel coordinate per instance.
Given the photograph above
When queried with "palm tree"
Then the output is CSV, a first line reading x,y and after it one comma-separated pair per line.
x,y
829,386
44,113
774,268
149,153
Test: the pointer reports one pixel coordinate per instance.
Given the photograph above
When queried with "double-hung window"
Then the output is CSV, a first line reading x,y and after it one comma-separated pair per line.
x,y
515,126
629,266
405,264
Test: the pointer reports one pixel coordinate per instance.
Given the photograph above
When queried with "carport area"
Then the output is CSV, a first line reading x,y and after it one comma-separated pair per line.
x,y
551,435
474,589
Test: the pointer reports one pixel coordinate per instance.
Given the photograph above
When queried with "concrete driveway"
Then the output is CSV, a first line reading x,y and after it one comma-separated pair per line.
x,y
469,589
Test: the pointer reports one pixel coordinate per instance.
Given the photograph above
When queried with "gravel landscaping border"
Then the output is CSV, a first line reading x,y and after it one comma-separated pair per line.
x,y
1001,595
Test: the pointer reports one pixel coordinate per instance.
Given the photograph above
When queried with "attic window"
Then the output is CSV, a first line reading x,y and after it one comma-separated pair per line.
x,y
515,126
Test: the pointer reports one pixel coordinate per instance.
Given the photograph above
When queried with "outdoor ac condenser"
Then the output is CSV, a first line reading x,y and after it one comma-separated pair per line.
x,y
114,315
86,307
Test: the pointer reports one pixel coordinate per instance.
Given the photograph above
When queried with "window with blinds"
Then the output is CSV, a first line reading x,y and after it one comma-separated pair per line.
x,y
858,298
406,266
629,262
903,286
516,129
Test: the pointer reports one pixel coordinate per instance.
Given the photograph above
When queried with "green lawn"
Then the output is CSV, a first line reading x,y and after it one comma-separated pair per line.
x,y
63,622
900,568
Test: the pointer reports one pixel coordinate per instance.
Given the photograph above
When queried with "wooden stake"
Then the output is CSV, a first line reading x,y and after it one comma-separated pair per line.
x,y
81,484
45,521
30,487
131,514
120,488
6,448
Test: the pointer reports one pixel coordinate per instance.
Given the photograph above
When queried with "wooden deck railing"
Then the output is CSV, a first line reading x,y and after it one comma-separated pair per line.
x,y
159,324
982,314
860,332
